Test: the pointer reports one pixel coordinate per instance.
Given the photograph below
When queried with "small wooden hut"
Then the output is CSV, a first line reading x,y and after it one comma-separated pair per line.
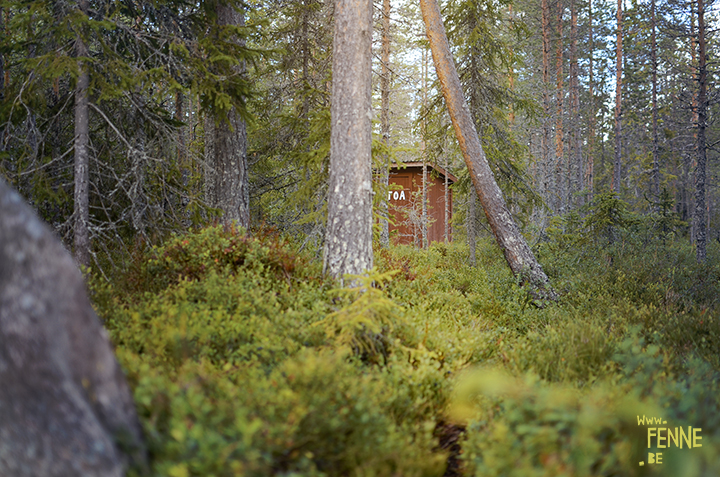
x,y
405,203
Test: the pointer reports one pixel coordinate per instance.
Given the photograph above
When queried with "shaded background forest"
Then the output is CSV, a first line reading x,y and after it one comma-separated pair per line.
x,y
167,79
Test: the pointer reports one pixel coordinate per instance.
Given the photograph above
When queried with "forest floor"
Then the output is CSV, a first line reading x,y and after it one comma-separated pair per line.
x,y
245,360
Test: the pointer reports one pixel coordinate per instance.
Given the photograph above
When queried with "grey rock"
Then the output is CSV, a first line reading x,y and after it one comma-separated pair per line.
x,y
65,406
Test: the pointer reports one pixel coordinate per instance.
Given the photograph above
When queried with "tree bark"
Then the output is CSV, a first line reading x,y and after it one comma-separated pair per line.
x,y
226,180
656,140
618,100
590,165
348,241
446,191
136,194
517,253
470,225
82,155
546,169
575,156
64,401
2,61
560,164
701,147
385,122
423,152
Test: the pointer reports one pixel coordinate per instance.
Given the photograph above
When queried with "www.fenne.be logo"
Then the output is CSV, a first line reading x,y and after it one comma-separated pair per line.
x,y
667,437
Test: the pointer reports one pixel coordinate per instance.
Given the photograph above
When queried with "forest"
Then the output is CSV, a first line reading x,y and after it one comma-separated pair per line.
x,y
223,173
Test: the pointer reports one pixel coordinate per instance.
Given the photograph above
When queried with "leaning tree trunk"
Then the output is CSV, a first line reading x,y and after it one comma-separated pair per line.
x,y
517,252
82,156
348,240
226,181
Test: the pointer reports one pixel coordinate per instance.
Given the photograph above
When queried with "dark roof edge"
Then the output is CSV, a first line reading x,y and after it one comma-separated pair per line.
x,y
439,169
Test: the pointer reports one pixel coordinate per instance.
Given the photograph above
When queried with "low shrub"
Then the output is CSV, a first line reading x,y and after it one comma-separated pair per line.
x,y
245,360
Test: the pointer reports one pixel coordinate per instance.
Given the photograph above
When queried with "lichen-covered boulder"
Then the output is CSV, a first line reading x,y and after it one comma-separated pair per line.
x,y
65,407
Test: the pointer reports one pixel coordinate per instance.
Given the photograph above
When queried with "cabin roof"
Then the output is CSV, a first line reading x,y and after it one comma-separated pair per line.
x,y
438,169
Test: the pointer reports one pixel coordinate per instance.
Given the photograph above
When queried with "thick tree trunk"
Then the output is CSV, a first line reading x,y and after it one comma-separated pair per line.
x,y
82,156
348,241
227,187
385,121
64,401
701,147
618,99
517,253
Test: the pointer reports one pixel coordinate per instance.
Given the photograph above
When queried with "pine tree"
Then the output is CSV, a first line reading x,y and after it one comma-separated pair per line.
x,y
517,253
348,242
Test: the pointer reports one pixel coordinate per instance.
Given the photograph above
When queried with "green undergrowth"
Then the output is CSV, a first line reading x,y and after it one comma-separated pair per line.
x,y
245,360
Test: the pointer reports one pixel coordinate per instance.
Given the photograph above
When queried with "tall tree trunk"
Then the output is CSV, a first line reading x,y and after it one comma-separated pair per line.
x,y
511,72
590,166
560,166
82,154
423,151
656,145
385,121
348,241
226,180
517,253
575,157
701,147
180,117
690,161
546,168
618,99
